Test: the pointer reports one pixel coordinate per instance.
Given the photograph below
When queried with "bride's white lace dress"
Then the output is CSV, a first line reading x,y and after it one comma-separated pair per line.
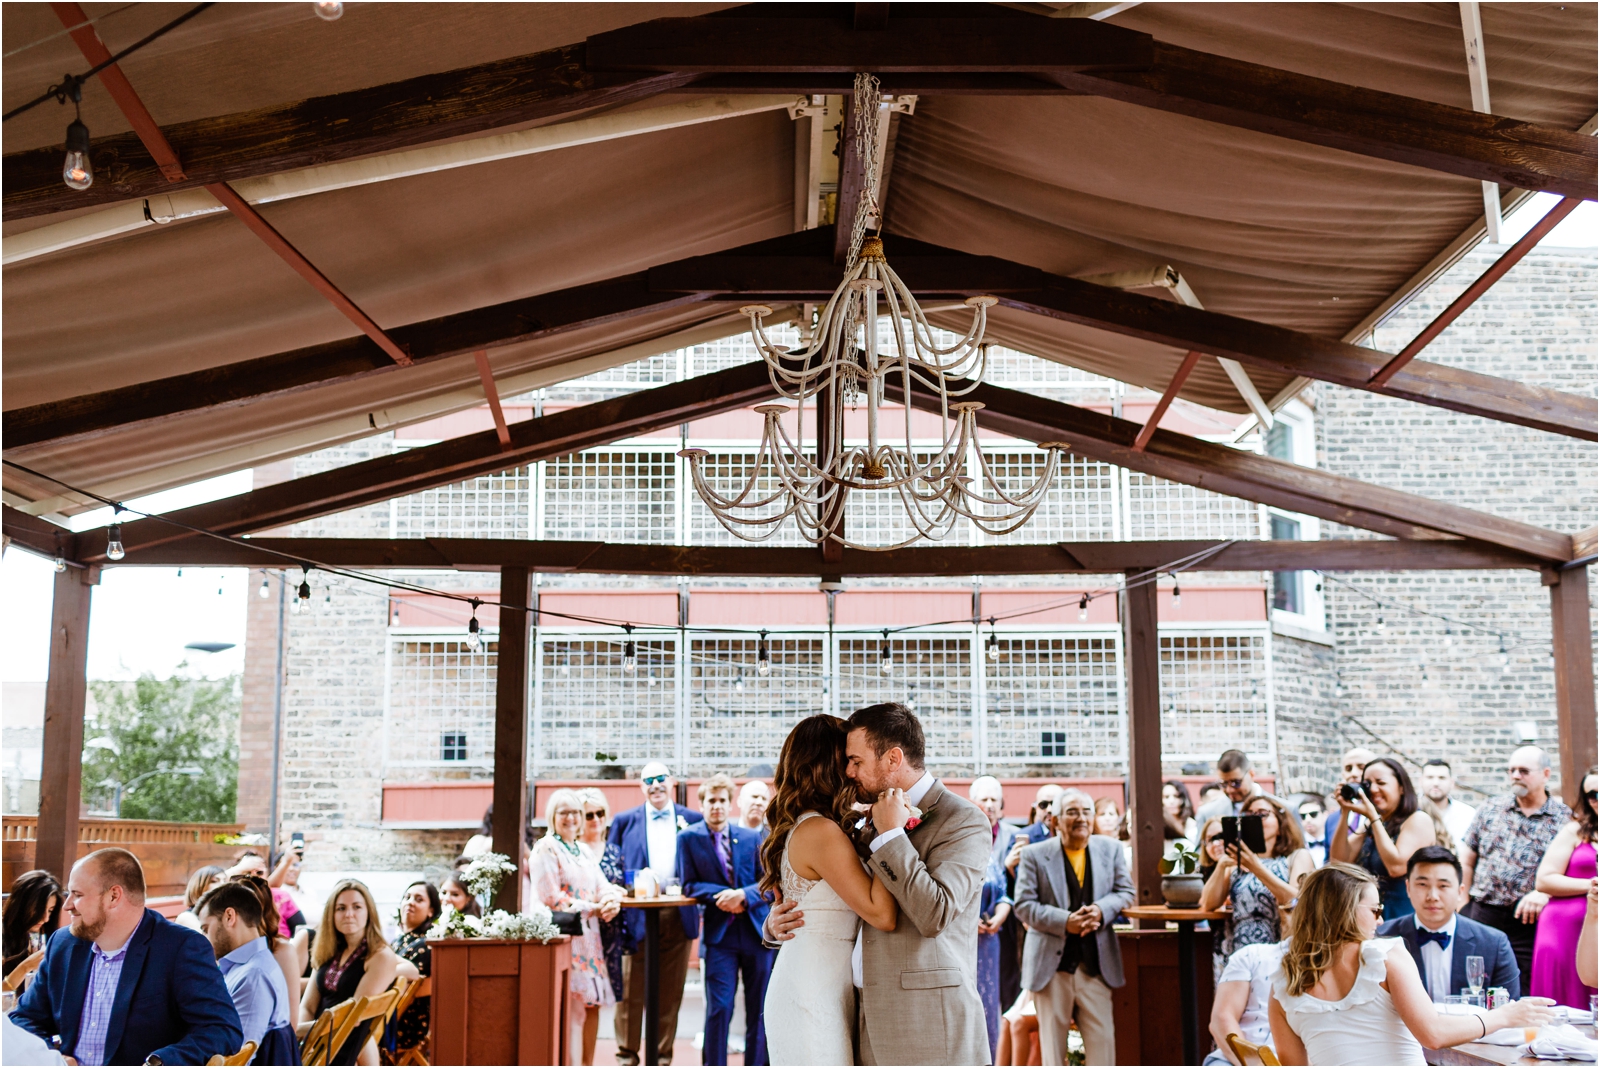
x,y
1360,1028
810,1006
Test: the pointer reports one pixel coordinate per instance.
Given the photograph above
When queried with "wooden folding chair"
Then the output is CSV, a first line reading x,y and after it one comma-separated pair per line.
x,y
246,1051
317,1047
1245,1051
19,975
413,1055
374,1008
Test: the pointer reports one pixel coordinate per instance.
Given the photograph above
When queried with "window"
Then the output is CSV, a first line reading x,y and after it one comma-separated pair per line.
x,y
1287,585
1053,743
453,745
1280,441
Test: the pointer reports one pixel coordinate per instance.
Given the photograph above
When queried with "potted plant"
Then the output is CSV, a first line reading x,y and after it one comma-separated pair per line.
x,y
1180,876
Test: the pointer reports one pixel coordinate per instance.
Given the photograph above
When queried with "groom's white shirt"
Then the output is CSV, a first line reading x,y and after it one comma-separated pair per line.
x,y
914,797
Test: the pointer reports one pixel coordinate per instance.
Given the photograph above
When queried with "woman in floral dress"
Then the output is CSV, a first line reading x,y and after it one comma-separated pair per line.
x,y
568,879
419,907
613,932
1258,887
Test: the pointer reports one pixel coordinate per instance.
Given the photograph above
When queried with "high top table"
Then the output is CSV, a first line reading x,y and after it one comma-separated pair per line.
x,y
650,1052
1188,1000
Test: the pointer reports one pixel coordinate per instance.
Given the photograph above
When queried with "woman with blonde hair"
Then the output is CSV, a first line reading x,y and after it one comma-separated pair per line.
x,y
567,878
613,932
352,959
1342,996
201,879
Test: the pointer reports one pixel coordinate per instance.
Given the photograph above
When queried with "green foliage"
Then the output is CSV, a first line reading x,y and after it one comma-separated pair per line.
x,y
156,724
1181,859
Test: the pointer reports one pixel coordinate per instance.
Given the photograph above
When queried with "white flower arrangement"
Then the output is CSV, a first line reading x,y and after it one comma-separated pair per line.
x,y
533,925
452,923
484,875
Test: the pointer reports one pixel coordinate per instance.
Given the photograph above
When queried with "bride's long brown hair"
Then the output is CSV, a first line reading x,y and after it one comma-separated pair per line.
x,y
810,778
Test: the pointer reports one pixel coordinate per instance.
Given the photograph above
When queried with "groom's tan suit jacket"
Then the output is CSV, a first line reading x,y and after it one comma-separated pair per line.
x,y
920,999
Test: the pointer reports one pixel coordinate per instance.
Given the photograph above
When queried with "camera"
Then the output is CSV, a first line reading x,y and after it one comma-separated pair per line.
x,y
1351,791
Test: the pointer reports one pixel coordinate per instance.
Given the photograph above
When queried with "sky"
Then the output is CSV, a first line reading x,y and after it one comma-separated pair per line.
x,y
141,618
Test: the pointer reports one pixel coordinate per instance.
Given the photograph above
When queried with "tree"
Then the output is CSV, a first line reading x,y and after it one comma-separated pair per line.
x,y
153,725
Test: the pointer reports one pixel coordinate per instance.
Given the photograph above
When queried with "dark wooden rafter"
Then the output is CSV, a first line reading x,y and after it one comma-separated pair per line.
x,y
1170,394
852,178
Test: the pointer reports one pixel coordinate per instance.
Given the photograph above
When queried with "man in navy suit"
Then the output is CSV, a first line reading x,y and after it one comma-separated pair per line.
x,y
719,863
121,985
647,837
1441,941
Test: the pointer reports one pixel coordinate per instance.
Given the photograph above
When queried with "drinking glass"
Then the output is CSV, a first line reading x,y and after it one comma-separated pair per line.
x,y
1594,1009
1475,975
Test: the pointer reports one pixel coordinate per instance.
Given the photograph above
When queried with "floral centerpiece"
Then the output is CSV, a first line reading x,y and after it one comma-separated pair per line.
x,y
483,877
485,873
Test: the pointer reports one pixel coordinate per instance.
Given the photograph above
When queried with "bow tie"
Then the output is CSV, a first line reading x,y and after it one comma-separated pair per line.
x,y
661,814
1424,936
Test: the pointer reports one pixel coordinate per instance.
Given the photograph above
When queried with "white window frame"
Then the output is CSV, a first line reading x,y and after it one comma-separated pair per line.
x,y
1313,619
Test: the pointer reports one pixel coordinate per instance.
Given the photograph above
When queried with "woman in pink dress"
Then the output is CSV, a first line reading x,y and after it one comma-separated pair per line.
x,y
1564,874
567,879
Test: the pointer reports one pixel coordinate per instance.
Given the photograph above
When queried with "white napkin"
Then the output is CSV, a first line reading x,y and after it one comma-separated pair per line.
x,y
1563,1042
1506,1036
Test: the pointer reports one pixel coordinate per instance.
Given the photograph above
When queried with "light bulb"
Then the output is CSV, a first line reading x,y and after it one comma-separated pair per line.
x,y
630,658
654,679
763,659
1177,595
77,171
327,598
1083,608
114,549
886,660
61,564
738,682
566,666
265,591
328,10
305,594
992,649
294,606
1381,627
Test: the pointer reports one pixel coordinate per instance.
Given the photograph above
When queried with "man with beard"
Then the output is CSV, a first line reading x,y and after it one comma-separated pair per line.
x,y
122,985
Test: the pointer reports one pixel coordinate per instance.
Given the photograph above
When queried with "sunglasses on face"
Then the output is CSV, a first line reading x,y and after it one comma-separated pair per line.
x,y
592,816
1310,813
1233,784
1592,795
651,780
1214,838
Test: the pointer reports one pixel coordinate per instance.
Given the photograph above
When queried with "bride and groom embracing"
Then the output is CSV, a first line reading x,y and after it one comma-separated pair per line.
x,y
877,911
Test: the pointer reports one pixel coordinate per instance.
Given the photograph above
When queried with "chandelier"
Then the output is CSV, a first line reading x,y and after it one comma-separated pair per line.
x,y
840,367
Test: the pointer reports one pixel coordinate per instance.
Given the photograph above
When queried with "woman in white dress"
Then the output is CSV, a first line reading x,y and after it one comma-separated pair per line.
x,y
809,859
1342,996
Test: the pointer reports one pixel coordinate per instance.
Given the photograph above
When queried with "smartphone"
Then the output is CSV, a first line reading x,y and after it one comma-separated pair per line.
x,y
297,842
1246,829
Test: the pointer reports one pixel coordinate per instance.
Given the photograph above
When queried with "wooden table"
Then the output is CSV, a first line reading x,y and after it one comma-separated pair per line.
x,y
1188,1013
1484,1053
650,1053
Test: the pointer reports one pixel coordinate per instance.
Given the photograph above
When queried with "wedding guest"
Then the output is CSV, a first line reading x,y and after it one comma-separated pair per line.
x,y
719,864
282,951
1312,815
647,837
1565,873
455,893
613,932
32,913
1501,851
994,907
753,800
1212,847
352,959
1392,828
201,879
1177,812
1239,1006
1258,887
1107,817
419,908
285,904
1212,795
1439,940
1237,777
567,879
1041,825
232,920
1589,938
1041,820
483,841
1351,765
1438,786
1018,1032
170,1005
1070,890
1342,996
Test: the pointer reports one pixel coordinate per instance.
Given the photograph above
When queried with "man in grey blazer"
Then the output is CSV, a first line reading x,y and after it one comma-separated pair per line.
x,y
1070,890
916,986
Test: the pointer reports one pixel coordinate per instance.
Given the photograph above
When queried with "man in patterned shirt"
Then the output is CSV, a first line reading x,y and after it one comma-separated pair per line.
x,y
1501,850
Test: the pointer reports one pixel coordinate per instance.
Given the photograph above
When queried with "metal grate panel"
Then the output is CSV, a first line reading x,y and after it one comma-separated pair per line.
x,y
439,688
588,704
1158,509
737,718
617,495
933,675
1054,699
489,506
1213,695
1081,505
726,471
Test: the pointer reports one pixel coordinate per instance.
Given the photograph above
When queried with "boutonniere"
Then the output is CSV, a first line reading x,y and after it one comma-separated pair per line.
x,y
683,824
916,818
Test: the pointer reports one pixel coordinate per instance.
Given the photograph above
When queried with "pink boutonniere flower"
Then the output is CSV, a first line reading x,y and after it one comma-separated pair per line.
x,y
916,819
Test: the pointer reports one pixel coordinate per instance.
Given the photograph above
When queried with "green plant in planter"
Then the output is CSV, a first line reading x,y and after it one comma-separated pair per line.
x,y
1182,859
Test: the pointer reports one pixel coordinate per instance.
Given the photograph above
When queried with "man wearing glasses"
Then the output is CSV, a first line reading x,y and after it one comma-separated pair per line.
x,y
1312,815
1238,783
647,837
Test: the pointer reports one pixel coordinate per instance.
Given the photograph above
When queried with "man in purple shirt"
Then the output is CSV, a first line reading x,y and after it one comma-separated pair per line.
x,y
121,985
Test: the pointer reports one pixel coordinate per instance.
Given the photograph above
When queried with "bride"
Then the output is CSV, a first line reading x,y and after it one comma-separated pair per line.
x,y
810,1004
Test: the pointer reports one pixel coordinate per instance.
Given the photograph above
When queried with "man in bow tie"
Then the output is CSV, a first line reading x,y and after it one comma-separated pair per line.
x,y
647,837
1439,940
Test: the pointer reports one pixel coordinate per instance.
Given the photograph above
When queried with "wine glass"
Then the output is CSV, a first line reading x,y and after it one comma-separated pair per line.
x,y
1475,975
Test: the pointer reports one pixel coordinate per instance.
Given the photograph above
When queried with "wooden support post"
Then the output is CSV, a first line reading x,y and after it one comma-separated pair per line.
x,y
1141,652
60,785
1574,653
511,729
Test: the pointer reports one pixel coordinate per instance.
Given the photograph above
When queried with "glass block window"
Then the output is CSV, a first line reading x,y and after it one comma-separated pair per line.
x,y
490,506
1008,367
1054,698
618,495
1213,695
588,704
1161,510
1081,505
738,349
726,471
441,703
879,517
931,674
737,717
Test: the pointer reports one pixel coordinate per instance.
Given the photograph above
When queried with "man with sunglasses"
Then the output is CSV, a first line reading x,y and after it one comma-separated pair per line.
x,y
1312,814
1238,780
647,837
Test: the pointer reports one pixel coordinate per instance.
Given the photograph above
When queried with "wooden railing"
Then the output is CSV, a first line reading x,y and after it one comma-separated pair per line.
x,y
168,851
122,832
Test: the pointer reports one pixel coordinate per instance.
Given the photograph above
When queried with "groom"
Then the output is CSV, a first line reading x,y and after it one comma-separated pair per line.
x,y
916,986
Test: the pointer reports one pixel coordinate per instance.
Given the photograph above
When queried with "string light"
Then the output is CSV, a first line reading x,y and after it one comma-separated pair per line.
x,y
265,590
77,172
114,549
303,594
738,681
474,641
61,564
630,655
328,10
763,661
566,666
1083,608
886,657
1177,594
992,649
1381,626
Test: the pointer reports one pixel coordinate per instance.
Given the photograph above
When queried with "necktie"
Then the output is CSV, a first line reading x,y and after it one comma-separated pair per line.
x,y
1424,936
721,841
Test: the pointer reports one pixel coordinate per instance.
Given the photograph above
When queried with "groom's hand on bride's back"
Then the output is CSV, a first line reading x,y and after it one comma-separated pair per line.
x,y
784,920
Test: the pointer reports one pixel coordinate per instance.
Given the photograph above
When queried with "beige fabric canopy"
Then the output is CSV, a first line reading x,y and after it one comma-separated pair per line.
x,y
1261,227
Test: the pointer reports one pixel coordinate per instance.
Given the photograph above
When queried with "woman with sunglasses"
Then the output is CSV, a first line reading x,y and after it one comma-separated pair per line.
x,y
613,932
1565,874
1344,996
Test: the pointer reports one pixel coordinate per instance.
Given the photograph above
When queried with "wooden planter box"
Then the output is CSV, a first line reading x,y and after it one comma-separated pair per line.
x,y
497,1002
